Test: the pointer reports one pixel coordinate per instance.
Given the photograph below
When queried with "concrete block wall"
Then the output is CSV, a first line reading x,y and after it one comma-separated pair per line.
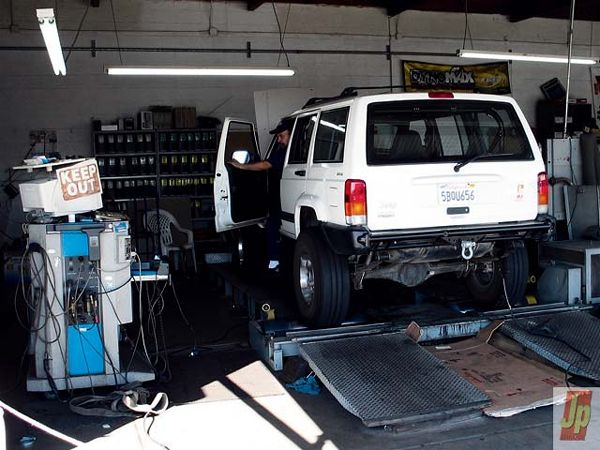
x,y
33,98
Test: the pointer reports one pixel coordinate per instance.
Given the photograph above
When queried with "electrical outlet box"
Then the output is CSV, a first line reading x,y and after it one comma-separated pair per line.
x,y
41,136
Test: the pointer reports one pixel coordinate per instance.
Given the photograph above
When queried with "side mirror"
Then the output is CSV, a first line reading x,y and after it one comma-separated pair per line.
x,y
241,156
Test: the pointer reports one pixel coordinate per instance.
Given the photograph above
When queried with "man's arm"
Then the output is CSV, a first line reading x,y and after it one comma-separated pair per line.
x,y
256,166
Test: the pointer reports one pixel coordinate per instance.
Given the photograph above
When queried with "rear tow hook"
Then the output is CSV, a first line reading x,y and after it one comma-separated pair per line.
x,y
467,249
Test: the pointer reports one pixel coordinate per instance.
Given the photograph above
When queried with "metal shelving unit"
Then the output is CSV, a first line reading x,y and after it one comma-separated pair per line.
x,y
176,177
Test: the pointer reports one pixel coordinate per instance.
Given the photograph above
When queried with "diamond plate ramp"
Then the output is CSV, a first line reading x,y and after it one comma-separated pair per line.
x,y
570,340
389,379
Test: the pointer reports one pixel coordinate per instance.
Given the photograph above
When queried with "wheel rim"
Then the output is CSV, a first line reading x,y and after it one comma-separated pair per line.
x,y
240,249
307,280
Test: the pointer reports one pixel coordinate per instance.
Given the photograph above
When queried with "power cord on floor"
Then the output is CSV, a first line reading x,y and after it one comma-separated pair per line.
x,y
185,320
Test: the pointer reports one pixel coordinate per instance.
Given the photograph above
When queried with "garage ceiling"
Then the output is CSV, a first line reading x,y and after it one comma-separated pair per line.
x,y
514,10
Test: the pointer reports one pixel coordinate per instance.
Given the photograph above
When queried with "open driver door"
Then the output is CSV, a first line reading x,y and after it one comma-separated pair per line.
x,y
240,195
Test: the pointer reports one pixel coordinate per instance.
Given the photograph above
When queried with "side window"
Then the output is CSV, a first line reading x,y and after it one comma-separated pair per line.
x,y
301,139
331,136
420,127
241,142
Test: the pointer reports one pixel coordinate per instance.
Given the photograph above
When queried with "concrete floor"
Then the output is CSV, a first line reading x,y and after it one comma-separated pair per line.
x,y
224,398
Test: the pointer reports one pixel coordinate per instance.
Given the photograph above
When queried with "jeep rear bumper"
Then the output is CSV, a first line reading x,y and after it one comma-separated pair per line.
x,y
356,240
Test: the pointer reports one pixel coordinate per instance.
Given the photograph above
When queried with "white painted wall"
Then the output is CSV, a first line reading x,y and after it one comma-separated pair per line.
x,y
32,97
273,104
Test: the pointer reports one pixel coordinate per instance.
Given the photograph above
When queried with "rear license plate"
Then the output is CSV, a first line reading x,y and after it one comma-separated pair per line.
x,y
456,194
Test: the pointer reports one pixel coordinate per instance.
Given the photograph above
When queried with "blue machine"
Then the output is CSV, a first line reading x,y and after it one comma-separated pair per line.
x,y
85,350
85,347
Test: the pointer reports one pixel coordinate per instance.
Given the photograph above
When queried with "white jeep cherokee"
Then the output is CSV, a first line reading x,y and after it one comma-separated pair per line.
x,y
396,186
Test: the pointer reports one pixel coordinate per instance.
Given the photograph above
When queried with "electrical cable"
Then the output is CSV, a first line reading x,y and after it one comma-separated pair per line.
x,y
389,48
112,9
75,318
49,312
111,303
281,35
287,17
156,306
572,212
106,356
467,28
43,304
510,308
210,16
147,429
573,178
76,36
142,334
183,317
110,291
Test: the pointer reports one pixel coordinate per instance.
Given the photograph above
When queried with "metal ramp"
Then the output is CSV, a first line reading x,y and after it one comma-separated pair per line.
x,y
570,340
389,379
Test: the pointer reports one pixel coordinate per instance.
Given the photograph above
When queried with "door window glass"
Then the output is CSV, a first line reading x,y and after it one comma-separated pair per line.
x,y
301,139
240,138
331,136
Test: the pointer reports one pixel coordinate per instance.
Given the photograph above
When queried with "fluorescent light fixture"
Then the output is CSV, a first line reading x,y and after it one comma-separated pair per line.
x,y
47,23
524,57
201,71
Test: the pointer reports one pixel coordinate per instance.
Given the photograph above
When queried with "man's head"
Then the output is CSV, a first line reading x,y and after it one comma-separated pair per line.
x,y
283,131
283,138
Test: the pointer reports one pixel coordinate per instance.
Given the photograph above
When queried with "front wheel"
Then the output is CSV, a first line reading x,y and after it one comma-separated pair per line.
x,y
485,282
321,281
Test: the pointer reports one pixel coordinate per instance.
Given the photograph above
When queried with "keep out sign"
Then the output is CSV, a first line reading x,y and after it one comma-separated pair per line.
x,y
79,180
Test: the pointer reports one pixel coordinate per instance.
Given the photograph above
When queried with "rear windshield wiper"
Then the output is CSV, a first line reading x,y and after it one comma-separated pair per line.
x,y
463,163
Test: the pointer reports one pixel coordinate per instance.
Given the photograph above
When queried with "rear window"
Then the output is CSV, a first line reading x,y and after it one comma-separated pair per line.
x,y
405,132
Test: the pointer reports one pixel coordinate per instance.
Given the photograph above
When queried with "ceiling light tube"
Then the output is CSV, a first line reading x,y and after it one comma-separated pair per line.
x,y
524,57
201,71
47,23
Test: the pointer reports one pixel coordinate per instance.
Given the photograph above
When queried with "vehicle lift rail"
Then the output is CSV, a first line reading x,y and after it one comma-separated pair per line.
x,y
275,340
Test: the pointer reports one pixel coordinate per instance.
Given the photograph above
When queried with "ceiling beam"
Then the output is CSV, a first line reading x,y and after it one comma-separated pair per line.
x,y
395,7
514,10
254,4
519,10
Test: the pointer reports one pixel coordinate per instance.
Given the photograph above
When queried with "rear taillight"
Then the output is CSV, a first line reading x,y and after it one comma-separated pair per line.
x,y
355,202
441,94
542,188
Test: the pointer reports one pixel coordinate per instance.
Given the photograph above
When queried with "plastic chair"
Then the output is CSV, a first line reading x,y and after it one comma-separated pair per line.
x,y
160,223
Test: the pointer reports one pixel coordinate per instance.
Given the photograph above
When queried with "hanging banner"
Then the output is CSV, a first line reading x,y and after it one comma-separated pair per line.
x,y
491,78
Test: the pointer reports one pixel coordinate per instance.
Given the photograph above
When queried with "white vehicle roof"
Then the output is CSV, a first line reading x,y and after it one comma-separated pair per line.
x,y
366,99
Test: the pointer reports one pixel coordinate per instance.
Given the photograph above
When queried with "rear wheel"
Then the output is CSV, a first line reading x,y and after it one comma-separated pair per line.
x,y
321,281
246,246
485,282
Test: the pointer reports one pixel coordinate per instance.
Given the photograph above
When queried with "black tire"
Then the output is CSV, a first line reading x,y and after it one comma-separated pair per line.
x,y
246,246
237,247
329,302
286,259
487,288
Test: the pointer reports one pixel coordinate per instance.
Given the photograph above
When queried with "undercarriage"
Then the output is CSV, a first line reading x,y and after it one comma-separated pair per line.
x,y
414,266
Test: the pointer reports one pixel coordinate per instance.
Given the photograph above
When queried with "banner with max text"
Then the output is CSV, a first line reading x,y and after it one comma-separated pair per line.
x,y
491,78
